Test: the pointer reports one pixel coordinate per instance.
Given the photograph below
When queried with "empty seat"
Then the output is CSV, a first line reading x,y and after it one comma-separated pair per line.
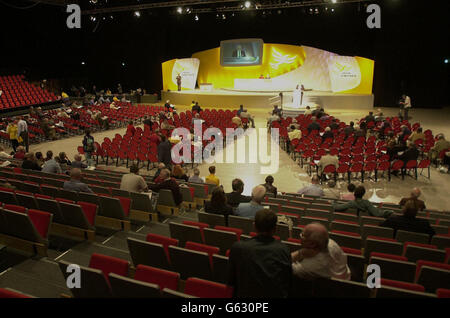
x,y
89,197
19,225
400,270
51,206
405,236
184,233
440,241
305,220
347,226
140,202
73,215
382,246
373,230
8,197
246,224
371,220
27,201
314,213
356,263
49,190
433,275
168,293
207,289
282,230
147,253
93,283
124,287
337,288
415,253
211,219
111,208
210,250
222,239
160,277
108,264
220,268
10,293
190,263
347,239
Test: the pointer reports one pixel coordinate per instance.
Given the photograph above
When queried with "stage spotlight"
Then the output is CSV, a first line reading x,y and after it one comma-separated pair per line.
x,y
196,18
188,10
83,63
93,18
247,4
334,1
123,64
224,16
180,10
332,10
111,17
279,11
137,14
446,61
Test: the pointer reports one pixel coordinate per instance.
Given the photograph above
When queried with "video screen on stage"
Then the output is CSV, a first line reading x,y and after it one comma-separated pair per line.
x,y
241,52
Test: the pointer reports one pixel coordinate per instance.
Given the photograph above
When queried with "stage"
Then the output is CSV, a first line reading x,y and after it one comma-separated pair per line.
x,y
257,99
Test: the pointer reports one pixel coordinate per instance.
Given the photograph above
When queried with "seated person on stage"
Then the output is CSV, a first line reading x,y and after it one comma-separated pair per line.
x,y
248,210
168,183
415,194
235,197
260,267
132,181
362,205
261,76
212,176
218,204
75,184
270,188
313,189
408,221
195,178
319,256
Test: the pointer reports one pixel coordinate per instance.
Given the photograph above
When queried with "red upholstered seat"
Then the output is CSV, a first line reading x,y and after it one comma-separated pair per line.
x,y
126,204
210,250
389,256
346,233
5,293
161,277
199,225
163,240
206,289
402,285
406,244
41,221
381,238
430,264
443,293
65,200
42,196
109,264
293,240
15,208
89,210
352,251
230,229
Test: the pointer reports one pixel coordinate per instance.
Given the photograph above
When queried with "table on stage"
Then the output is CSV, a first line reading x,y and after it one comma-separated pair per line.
x,y
254,84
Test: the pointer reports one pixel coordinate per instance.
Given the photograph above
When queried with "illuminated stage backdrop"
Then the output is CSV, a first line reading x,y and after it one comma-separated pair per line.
x,y
287,66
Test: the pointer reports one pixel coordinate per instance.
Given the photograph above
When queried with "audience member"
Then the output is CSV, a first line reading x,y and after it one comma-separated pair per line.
x,y
362,205
20,153
51,165
178,173
77,163
88,147
218,204
313,189
169,184
164,149
75,184
313,125
328,160
270,188
30,163
415,194
327,134
350,195
319,256
235,197
212,176
195,178
248,210
417,135
12,130
40,159
440,145
132,181
408,221
261,266
3,154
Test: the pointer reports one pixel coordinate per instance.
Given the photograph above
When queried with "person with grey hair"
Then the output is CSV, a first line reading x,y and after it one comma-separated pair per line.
x,y
77,163
415,194
132,181
319,255
327,134
195,178
248,210
75,184
313,189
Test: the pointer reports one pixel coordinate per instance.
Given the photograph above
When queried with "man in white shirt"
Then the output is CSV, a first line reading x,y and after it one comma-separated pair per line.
x,y
319,256
406,103
132,181
22,131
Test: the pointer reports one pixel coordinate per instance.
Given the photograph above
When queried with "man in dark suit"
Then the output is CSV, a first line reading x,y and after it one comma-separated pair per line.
x,y
261,266
147,122
164,149
327,134
415,194
314,125
411,153
370,117
236,197
239,52
168,183
349,129
408,221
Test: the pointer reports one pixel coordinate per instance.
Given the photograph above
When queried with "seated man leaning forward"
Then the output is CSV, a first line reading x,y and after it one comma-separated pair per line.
x,y
319,256
248,210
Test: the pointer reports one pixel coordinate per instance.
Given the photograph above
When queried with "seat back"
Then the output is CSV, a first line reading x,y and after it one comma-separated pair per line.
x,y
93,283
190,263
415,253
433,278
220,268
381,246
347,227
336,288
168,293
69,195
207,289
111,207
124,287
345,240
108,264
405,236
141,202
73,215
89,197
19,225
212,219
441,242
395,269
157,276
165,198
27,201
51,206
8,197
393,292
41,221
147,253
222,239
282,230
184,233
373,230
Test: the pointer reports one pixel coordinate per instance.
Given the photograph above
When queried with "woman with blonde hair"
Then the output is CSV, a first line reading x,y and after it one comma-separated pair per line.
x,y
13,135
178,173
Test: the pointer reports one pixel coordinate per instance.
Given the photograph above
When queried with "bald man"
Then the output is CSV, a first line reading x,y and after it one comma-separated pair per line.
x,y
248,210
168,183
75,184
319,256
415,194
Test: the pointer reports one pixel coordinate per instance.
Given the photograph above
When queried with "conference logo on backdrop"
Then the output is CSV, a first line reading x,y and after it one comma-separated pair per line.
x,y
281,63
344,72
188,70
